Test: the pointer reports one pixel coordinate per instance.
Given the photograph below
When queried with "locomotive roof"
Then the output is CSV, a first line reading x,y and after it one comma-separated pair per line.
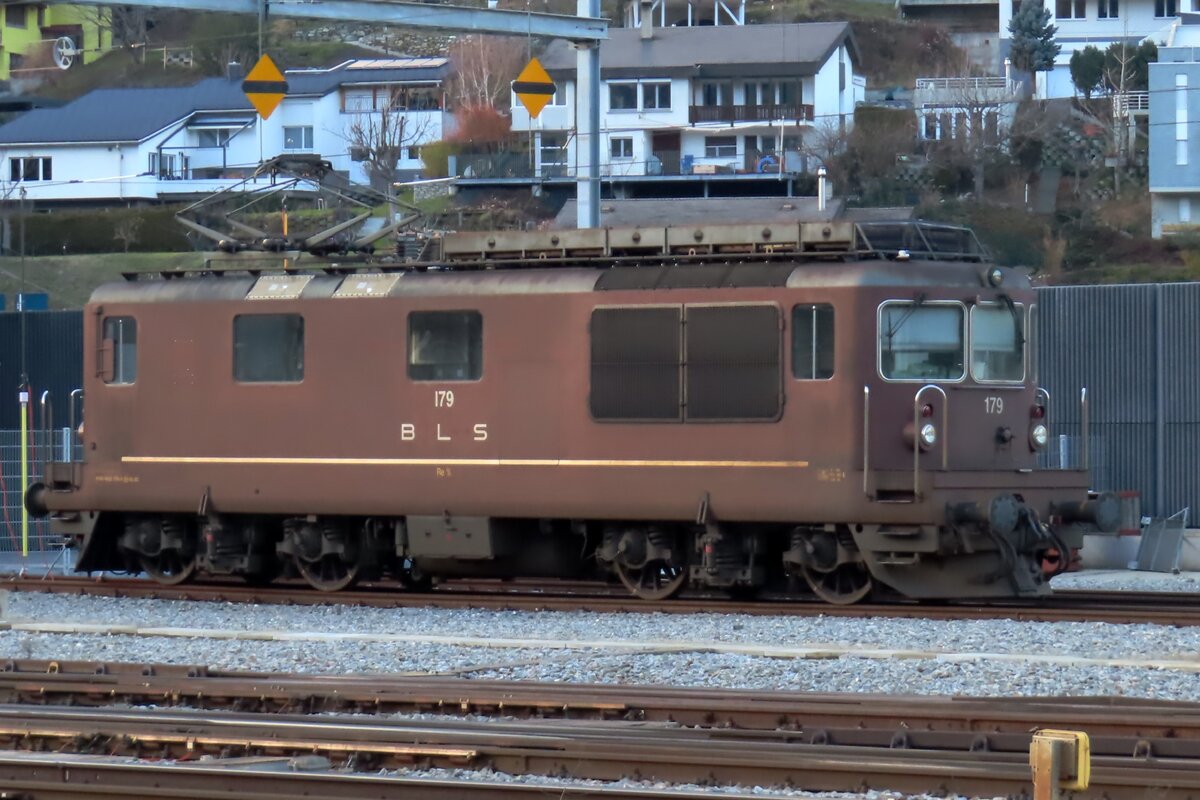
x,y
826,254
565,280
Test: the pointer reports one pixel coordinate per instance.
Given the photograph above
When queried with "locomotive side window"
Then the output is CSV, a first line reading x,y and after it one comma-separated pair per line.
x,y
921,342
268,348
997,343
120,334
812,341
445,345
636,364
734,362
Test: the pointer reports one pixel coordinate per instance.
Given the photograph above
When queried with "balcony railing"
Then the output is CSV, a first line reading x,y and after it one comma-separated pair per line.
x,y
749,113
1128,102
964,83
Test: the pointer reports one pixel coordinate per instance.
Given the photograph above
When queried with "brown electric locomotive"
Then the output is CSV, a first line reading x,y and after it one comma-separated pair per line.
x,y
846,406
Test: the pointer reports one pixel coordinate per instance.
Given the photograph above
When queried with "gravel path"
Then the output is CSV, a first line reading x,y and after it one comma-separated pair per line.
x,y
692,668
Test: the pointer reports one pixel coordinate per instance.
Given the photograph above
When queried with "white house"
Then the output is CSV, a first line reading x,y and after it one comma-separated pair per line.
x,y
152,145
1099,23
702,99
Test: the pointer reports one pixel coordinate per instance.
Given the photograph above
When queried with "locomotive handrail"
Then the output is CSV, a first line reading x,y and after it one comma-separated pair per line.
x,y
76,398
48,427
1083,416
867,441
944,433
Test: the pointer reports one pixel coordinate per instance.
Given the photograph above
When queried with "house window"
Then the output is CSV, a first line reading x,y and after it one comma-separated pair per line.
x,y
1109,9
1185,209
299,137
445,345
1071,9
16,62
656,96
622,96
168,165
553,151
16,16
29,169
213,137
720,146
621,147
1165,8
412,153
415,98
268,348
1181,119
359,103
558,98
120,336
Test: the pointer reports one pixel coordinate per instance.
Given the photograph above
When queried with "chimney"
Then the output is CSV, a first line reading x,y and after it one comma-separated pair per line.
x,y
647,14
234,71
822,197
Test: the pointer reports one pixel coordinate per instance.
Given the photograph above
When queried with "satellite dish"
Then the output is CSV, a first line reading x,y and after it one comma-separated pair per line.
x,y
65,52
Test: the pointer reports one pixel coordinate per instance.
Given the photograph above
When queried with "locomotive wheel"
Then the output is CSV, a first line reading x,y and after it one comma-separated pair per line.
x,y
656,580
328,573
169,567
842,586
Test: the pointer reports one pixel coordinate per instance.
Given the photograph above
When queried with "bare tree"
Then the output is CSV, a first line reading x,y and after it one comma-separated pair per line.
x,y
128,231
130,26
484,66
379,138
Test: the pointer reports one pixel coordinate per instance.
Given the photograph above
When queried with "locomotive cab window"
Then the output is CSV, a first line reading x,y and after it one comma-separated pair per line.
x,y
268,348
998,343
120,338
921,341
812,341
445,345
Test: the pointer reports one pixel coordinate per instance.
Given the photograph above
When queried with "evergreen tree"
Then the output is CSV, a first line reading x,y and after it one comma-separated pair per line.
x,y
1033,47
1087,69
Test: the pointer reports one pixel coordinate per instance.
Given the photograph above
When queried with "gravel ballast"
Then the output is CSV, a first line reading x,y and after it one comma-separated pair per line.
x,y
694,667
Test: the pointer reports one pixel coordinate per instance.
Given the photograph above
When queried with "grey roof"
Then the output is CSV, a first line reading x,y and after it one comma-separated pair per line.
x,y
690,211
711,51
131,115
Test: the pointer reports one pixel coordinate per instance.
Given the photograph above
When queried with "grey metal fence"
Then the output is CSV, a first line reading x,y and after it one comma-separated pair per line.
x,y
1136,348
12,492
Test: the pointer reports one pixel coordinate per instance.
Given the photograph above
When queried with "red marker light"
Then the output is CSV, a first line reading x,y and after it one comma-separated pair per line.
x,y
1037,412
927,411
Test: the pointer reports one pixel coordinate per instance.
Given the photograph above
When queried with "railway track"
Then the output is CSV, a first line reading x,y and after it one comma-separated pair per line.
x,y
817,742
1160,608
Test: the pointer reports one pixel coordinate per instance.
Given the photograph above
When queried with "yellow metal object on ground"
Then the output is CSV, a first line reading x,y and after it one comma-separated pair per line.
x,y
1060,760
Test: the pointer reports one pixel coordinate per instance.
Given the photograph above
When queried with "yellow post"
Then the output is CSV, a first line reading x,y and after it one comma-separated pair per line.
x,y
24,396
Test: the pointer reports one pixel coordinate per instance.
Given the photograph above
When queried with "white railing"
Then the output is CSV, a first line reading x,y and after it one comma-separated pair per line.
x,y
1127,102
967,84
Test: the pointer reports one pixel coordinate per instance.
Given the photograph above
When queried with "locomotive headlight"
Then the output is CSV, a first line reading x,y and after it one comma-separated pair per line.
x,y
928,434
1038,436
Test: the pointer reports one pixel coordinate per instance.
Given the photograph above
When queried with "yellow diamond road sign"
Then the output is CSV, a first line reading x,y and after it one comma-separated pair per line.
x,y
533,87
265,87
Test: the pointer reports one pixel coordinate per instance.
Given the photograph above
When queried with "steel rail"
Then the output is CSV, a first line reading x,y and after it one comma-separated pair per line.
x,y
1165,608
607,752
1118,726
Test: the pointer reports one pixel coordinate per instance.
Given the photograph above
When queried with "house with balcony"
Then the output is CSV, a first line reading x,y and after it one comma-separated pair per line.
x,y
702,100
959,107
1174,140
181,143
1099,23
